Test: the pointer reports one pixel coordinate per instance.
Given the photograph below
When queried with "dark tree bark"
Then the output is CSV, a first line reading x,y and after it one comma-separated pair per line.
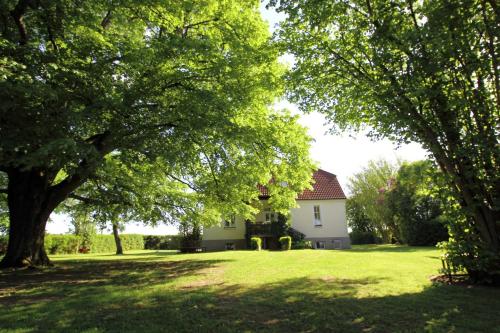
x,y
30,206
118,241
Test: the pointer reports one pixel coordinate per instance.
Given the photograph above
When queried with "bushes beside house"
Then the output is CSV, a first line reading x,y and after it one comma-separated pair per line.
x,y
286,243
256,243
301,245
359,237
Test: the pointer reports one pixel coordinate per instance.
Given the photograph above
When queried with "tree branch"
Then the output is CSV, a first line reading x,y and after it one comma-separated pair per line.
x,y
17,14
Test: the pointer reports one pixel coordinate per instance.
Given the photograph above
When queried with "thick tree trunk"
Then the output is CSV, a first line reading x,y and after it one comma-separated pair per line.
x,y
118,241
29,207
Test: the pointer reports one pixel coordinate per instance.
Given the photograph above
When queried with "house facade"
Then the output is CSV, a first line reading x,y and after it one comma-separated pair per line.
x,y
320,216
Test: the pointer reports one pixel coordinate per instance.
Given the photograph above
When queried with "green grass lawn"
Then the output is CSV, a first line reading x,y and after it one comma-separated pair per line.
x,y
366,289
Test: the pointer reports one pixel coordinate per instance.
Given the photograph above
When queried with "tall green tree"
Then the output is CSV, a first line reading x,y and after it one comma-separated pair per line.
x,y
186,82
417,207
422,71
368,191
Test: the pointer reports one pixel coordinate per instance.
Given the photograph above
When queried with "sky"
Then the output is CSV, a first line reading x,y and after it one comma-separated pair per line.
x,y
344,155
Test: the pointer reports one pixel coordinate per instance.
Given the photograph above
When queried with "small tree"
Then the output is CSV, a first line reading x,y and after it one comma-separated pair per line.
x,y
367,199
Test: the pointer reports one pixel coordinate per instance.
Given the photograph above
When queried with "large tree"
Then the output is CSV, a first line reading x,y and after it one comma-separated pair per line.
x,y
189,83
423,71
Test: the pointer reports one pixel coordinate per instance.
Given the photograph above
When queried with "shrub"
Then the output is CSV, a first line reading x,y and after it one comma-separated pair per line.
x,y
303,244
256,243
286,242
154,242
363,237
62,244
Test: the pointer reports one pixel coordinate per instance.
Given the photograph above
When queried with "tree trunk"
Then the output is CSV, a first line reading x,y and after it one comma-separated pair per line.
x,y
29,208
118,241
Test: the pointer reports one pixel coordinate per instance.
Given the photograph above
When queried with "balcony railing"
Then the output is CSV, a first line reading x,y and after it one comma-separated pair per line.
x,y
258,228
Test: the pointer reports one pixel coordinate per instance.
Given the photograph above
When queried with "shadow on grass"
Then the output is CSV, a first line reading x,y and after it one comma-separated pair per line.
x,y
158,253
389,248
115,297
88,273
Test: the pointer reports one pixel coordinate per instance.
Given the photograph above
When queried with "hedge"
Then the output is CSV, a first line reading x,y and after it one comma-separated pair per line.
x,y
286,242
156,242
62,244
69,244
106,243
256,243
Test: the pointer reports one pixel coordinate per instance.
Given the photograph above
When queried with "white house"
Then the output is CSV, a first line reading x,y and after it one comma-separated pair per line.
x,y
320,216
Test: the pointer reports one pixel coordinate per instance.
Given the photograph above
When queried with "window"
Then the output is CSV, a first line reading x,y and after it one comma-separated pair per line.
x,y
317,217
230,246
230,222
320,245
337,244
270,216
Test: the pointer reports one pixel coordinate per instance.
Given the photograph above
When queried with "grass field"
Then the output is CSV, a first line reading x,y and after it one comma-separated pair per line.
x,y
366,289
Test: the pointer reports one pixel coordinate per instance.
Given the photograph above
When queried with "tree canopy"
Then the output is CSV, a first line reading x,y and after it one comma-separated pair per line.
x,y
423,71
367,199
178,90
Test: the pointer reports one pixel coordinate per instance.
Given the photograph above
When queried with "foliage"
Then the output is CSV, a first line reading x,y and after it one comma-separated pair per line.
x,y
190,232
70,244
286,242
155,242
62,244
296,235
302,244
418,210
4,210
363,237
280,227
83,227
3,244
463,250
357,219
178,89
366,208
256,243
422,71
106,243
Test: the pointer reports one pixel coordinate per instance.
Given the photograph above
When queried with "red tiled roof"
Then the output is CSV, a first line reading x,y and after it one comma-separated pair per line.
x,y
326,186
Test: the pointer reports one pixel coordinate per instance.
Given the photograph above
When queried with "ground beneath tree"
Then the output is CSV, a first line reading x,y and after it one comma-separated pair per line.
x,y
366,289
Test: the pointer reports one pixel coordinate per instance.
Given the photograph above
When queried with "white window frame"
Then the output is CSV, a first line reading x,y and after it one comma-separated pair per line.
x,y
317,216
231,222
